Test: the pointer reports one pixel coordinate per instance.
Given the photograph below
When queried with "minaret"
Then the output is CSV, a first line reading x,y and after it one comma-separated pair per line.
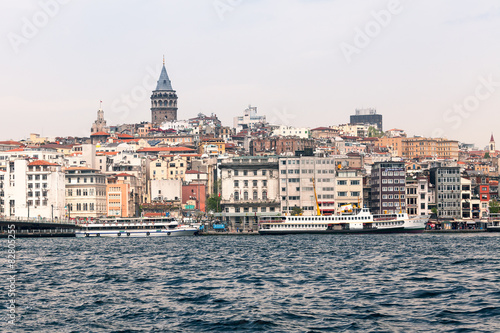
x,y
492,144
163,100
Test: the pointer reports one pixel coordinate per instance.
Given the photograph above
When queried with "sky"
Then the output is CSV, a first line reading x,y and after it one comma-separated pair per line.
x,y
429,67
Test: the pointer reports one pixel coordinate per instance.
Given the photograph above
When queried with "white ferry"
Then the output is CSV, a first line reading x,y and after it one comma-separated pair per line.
x,y
493,223
361,221
135,227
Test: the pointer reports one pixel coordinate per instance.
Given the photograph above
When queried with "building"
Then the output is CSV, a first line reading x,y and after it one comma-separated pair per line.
x,y
387,182
367,116
296,184
301,132
349,188
122,197
249,188
249,120
100,124
425,147
447,185
32,189
85,193
163,100
279,145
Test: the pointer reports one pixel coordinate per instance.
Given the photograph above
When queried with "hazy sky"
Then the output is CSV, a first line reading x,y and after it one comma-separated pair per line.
x,y
429,67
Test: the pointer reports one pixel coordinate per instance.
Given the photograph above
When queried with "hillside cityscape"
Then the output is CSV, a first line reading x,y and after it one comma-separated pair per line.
x,y
234,174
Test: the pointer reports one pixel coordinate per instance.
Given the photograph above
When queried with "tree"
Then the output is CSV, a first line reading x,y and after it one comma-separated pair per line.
x,y
486,155
434,211
373,132
296,211
494,207
213,203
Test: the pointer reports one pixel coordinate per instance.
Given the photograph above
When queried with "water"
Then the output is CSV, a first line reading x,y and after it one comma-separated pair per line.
x,y
296,283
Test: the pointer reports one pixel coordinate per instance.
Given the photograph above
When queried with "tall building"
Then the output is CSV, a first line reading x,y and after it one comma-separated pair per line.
x,y
388,187
367,116
447,184
492,144
163,100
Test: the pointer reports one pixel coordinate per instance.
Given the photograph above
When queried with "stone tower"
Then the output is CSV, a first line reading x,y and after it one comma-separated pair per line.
x,y
492,144
100,124
163,100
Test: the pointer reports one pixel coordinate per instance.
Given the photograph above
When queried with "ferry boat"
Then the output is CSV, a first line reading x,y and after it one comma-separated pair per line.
x,y
493,223
362,221
351,220
135,227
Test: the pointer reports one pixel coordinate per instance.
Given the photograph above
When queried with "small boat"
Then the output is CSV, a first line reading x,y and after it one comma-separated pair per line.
x,y
135,227
361,221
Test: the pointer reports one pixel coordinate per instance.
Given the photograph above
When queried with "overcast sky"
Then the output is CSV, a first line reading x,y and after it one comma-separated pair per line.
x,y
429,67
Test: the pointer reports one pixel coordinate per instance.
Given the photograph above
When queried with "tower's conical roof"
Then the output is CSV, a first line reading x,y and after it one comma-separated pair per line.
x,y
492,140
164,83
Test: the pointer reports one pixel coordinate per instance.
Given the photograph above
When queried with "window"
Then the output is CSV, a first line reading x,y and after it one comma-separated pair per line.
x,y
264,195
354,182
245,195
236,172
236,196
255,197
264,183
341,182
255,172
236,183
342,194
264,172
245,173
254,183
245,183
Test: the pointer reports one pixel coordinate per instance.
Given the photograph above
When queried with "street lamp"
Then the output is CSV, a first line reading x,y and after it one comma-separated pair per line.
x,y
52,206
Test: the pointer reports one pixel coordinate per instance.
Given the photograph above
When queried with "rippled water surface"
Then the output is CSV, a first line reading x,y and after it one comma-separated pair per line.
x,y
296,283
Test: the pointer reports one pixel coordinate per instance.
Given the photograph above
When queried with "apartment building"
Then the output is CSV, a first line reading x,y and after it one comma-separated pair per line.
x,y
85,193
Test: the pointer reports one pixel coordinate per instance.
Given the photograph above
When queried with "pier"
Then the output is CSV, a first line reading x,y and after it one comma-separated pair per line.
x,y
37,227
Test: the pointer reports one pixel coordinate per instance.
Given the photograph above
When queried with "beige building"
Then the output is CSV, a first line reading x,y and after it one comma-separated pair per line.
x,y
428,147
349,188
394,144
85,193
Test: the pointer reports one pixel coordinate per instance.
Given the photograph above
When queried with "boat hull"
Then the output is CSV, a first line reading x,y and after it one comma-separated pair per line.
x,y
400,230
136,233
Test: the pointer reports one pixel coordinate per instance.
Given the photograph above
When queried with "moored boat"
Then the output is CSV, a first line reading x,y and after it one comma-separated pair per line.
x,y
135,227
493,223
361,221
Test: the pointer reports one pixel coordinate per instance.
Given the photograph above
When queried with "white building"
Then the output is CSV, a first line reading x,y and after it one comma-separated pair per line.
x,y
33,189
301,132
249,190
248,120
166,190
178,125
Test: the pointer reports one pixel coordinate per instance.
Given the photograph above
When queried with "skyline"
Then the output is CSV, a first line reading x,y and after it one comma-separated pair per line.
x,y
427,68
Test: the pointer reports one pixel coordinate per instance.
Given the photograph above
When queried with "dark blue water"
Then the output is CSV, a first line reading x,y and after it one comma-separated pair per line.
x,y
296,283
